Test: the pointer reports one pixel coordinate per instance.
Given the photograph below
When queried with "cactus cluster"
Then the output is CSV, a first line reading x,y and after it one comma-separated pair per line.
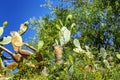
x,y
7,39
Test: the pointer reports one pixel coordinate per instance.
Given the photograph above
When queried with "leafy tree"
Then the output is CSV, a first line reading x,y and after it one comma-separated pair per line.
x,y
93,23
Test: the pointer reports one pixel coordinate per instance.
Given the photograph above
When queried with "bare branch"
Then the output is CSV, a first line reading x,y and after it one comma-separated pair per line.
x,y
3,48
29,46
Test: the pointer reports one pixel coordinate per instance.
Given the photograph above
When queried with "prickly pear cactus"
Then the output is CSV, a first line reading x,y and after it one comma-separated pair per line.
x,y
7,40
4,40
23,28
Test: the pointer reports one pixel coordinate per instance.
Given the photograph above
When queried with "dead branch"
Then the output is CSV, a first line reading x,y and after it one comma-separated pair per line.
x,y
29,46
3,48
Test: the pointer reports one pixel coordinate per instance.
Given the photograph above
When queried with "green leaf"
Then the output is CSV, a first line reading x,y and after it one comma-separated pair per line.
x,y
1,31
78,48
64,35
57,26
60,22
89,54
1,64
71,59
56,42
103,53
106,64
40,44
73,25
71,70
76,43
87,48
118,55
69,17
6,40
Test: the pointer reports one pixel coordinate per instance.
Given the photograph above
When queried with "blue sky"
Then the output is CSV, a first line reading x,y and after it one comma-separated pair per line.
x,y
19,11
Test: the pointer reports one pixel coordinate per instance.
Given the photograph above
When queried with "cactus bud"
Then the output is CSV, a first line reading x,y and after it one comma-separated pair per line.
x,y
69,17
5,24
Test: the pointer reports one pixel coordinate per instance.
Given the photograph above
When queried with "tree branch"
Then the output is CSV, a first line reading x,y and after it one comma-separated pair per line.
x,y
29,46
3,48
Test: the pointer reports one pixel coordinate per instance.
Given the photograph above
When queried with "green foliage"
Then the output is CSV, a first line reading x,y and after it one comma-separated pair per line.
x,y
118,55
40,44
103,53
91,55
